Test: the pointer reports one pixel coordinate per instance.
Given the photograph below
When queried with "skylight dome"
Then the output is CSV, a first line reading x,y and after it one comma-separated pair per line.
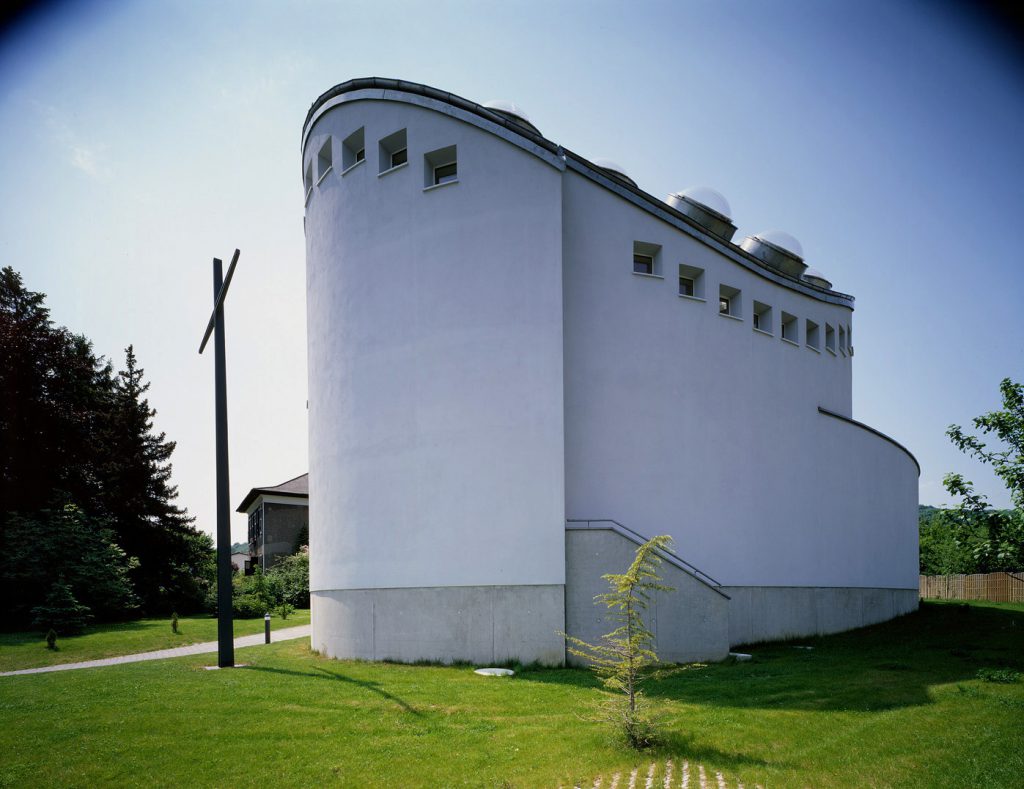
x,y
707,197
705,206
784,241
513,112
778,250
615,168
815,277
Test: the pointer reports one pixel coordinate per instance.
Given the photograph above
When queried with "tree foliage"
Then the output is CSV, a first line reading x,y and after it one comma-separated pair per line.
x,y
174,560
947,546
625,657
997,536
61,613
293,574
65,547
74,433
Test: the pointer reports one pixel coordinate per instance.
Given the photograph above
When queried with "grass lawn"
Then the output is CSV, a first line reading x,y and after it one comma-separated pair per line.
x,y
28,649
898,704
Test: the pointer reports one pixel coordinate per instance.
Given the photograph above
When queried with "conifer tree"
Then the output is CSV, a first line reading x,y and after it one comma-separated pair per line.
x,y
74,434
54,392
625,657
139,497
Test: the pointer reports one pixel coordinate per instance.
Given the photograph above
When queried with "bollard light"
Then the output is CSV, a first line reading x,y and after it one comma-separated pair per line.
x,y
266,627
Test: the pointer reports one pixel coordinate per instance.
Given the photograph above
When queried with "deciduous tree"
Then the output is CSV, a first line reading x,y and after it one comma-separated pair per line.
x,y
1003,546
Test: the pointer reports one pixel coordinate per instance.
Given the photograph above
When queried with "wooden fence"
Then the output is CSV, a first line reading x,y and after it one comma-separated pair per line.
x,y
997,587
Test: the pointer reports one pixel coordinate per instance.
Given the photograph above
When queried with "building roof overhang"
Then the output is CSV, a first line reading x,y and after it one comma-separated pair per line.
x,y
297,487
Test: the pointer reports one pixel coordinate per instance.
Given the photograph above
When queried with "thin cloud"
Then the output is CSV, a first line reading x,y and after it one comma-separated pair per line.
x,y
84,157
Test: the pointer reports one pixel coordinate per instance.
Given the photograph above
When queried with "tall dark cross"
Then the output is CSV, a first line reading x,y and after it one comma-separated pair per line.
x,y
225,629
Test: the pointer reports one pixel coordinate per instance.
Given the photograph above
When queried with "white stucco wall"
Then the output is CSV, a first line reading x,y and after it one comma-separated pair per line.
x,y
435,361
483,363
684,422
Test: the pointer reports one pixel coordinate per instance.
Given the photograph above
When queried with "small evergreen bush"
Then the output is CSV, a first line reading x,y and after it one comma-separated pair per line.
x,y
174,623
51,639
61,611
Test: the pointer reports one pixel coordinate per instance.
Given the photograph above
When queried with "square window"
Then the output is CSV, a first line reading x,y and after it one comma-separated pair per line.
x,y
440,167
646,258
353,150
830,338
307,178
691,281
729,301
790,327
446,173
813,334
763,317
324,160
394,151
842,340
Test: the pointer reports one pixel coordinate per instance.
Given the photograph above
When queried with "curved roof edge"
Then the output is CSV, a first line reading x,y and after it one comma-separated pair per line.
x,y
634,194
870,429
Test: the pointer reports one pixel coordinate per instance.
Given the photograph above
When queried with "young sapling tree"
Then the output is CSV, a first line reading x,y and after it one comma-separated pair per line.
x,y
625,657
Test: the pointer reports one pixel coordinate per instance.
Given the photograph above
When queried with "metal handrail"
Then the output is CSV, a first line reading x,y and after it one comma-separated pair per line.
x,y
639,539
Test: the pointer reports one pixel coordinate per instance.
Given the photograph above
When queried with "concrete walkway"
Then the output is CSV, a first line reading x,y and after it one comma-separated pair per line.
x,y
206,647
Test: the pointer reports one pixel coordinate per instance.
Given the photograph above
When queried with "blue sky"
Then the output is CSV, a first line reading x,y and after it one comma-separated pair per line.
x,y
141,139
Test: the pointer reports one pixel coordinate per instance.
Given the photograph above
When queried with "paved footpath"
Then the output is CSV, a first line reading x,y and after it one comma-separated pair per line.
x,y
286,634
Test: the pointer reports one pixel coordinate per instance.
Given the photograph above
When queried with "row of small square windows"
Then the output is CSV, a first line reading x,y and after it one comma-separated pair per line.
x,y
439,167
730,303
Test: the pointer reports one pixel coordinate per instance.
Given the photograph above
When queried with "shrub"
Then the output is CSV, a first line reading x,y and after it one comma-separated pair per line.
x,y
174,623
1003,675
285,610
51,639
61,611
292,573
249,606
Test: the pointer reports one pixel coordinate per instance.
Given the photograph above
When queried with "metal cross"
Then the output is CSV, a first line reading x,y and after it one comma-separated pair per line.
x,y
225,625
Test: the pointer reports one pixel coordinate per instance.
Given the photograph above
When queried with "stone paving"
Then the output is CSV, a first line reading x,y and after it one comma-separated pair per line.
x,y
285,634
687,777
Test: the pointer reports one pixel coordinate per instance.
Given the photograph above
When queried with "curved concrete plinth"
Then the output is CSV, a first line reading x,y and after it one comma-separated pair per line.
x,y
773,613
477,624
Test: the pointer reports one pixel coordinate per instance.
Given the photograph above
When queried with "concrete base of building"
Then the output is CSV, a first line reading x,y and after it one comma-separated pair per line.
x,y
478,624
689,624
772,613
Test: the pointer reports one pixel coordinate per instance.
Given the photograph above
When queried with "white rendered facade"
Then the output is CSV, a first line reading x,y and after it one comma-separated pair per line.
x,y
484,365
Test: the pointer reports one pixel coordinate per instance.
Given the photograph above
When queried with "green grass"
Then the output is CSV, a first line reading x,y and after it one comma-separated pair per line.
x,y
28,649
898,704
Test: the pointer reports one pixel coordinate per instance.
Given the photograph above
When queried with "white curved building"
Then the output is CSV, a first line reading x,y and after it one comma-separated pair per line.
x,y
511,346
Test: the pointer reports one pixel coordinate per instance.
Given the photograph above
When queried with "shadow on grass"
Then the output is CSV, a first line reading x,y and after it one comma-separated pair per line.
x,y
678,746
319,672
882,667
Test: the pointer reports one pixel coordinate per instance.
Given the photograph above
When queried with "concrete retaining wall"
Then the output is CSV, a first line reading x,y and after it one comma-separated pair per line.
x,y
689,624
761,613
481,624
